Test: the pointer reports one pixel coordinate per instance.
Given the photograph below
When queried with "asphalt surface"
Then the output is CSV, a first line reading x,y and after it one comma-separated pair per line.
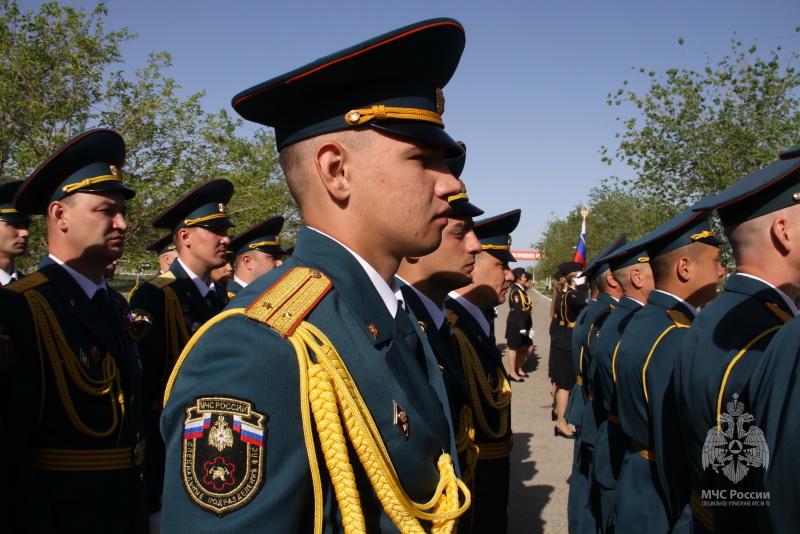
x,y
540,462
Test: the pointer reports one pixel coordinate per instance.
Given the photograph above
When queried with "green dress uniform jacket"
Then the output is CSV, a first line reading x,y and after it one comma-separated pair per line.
x,y
260,372
729,336
775,401
491,478
644,366
580,412
158,348
608,454
77,451
233,287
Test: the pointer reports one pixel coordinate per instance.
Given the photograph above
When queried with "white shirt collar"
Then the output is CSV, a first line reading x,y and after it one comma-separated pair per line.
x,y
7,278
783,295
689,306
201,286
473,310
386,291
89,287
239,281
437,314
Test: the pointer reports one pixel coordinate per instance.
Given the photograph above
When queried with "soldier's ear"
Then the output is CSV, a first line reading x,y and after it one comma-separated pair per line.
x,y
332,164
57,213
683,268
782,234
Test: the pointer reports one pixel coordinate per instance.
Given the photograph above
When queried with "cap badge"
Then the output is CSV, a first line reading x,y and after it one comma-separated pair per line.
x,y
221,208
796,197
439,101
114,170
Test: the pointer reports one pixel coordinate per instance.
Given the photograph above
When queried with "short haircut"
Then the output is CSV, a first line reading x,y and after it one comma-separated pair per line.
x,y
663,266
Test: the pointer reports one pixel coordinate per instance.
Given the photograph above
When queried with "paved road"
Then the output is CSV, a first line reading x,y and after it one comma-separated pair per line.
x,y
540,462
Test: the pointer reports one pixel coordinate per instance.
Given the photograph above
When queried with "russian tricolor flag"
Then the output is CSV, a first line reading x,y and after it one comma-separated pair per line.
x,y
580,250
194,429
250,434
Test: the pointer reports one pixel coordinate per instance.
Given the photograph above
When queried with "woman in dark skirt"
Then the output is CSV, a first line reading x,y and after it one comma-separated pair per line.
x,y
518,325
569,304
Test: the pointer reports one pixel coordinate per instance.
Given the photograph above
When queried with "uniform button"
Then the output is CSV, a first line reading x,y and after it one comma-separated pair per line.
x,y
137,436
141,476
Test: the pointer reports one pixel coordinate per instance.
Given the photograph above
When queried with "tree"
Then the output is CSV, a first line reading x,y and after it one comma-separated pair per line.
x,y
699,132
612,210
56,81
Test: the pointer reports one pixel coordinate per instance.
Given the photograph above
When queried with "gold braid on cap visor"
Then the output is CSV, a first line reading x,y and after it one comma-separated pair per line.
x,y
10,210
496,247
263,244
702,235
192,222
67,189
361,116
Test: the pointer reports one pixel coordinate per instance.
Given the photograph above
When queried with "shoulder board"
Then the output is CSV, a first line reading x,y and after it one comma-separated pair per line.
x,y
31,281
163,280
287,302
452,318
680,320
779,312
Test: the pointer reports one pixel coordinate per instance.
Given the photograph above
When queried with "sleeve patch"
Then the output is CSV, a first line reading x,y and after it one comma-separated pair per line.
x,y
224,453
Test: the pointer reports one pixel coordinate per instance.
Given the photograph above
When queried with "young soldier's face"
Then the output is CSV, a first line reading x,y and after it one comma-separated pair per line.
x,y
14,238
452,264
404,195
209,245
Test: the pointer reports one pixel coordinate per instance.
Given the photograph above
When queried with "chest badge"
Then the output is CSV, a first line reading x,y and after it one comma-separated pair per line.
x,y
401,420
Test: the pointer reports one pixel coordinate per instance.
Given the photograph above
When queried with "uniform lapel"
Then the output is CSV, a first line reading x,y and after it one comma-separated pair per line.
x,y
473,329
190,294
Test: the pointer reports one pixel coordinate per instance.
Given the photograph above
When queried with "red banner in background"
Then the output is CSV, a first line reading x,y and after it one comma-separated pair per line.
x,y
531,255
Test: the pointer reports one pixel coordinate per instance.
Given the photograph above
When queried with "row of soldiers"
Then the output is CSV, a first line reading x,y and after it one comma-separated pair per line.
x,y
686,403
356,387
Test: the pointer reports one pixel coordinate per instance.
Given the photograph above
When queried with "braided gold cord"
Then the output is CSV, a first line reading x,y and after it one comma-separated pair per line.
x,y
465,443
372,453
498,398
334,448
49,334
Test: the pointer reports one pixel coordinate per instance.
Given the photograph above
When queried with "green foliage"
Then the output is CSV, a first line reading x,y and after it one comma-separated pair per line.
x,y
698,132
612,210
56,81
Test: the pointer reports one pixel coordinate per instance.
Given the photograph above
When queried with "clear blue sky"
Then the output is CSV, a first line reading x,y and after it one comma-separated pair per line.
x,y
529,97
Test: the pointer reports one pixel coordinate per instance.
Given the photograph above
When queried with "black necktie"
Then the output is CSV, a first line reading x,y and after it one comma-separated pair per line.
x,y
212,300
103,305
406,329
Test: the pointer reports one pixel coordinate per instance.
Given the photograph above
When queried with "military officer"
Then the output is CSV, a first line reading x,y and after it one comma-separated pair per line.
x,y
684,258
168,309
607,293
257,251
424,284
78,429
256,439
630,268
166,250
483,369
724,345
14,232
519,325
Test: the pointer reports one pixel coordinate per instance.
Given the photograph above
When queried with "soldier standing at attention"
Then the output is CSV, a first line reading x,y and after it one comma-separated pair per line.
x,y
760,215
630,268
14,232
424,284
172,306
684,258
78,427
518,325
607,292
166,250
257,251
482,362
308,405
